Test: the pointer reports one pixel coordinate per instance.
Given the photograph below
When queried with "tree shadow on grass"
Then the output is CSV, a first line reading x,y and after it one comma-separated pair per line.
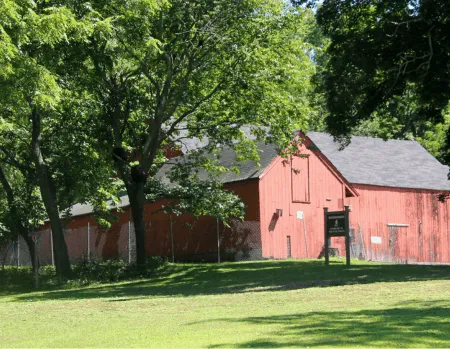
x,y
417,325
203,279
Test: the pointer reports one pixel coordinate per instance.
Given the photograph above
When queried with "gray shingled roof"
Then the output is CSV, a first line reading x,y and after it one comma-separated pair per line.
x,y
247,170
367,160
83,209
392,163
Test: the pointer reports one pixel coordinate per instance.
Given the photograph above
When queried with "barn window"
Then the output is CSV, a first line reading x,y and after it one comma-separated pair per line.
x,y
300,179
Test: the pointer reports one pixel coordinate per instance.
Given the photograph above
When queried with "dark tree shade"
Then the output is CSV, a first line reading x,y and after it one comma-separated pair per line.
x,y
378,51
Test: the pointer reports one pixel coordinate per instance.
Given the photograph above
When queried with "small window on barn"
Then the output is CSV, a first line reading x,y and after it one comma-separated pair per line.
x,y
300,179
348,193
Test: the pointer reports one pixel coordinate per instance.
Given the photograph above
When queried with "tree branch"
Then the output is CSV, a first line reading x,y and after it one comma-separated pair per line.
x,y
12,160
189,112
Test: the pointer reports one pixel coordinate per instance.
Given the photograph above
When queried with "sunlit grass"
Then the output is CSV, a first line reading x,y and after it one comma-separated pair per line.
x,y
268,304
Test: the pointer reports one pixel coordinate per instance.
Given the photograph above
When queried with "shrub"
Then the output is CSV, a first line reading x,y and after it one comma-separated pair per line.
x,y
84,273
114,270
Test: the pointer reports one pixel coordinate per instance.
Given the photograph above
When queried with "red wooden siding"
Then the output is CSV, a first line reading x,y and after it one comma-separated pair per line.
x,y
194,238
412,224
197,237
418,222
276,192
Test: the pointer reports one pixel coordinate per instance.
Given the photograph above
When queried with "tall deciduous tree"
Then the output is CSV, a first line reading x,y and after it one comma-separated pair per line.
x,y
383,54
167,71
43,130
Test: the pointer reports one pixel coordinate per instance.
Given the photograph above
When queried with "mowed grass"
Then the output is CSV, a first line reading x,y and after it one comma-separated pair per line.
x,y
267,304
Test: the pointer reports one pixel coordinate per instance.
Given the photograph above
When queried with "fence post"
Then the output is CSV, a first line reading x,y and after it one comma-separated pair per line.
x,y
171,239
327,245
129,242
218,241
347,235
89,243
36,268
51,247
18,250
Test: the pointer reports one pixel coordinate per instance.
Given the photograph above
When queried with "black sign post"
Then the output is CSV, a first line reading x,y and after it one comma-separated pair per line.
x,y
337,225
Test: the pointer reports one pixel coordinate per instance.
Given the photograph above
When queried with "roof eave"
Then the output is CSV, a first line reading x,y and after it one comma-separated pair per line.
x,y
404,188
316,150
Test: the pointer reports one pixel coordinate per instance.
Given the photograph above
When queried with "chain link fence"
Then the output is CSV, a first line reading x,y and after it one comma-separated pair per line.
x,y
207,240
179,239
15,253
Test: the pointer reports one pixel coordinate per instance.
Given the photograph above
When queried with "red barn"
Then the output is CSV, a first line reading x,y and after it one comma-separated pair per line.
x,y
392,188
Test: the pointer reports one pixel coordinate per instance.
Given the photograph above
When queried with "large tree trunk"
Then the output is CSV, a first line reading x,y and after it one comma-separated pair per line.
x,y
135,185
134,177
48,194
35,262
137,201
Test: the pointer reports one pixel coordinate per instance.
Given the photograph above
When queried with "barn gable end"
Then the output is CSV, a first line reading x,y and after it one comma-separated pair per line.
x,y
293,192
397,215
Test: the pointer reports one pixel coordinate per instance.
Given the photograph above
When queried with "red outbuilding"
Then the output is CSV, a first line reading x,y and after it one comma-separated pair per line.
x,y
392,188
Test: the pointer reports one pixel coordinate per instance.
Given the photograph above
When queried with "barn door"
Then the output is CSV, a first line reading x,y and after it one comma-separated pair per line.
x,y
288,247
300,239
393,230
300,179
398,243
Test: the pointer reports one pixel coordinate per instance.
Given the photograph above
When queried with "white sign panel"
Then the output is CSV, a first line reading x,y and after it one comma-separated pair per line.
x,y
300,215
375,239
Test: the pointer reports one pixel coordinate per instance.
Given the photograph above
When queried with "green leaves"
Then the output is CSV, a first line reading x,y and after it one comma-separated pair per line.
x,y
22,205
54,25
199,198
38,57
382,52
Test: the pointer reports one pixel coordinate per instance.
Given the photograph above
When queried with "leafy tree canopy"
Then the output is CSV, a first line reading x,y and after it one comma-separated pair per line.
x,y
163,74
45,132
38,36
386,60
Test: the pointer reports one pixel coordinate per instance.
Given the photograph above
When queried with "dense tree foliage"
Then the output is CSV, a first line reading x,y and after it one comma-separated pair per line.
x,y
402,124
388,62
44,131
174,71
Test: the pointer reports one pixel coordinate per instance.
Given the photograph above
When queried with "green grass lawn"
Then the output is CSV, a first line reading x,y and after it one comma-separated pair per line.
x,y
267,304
